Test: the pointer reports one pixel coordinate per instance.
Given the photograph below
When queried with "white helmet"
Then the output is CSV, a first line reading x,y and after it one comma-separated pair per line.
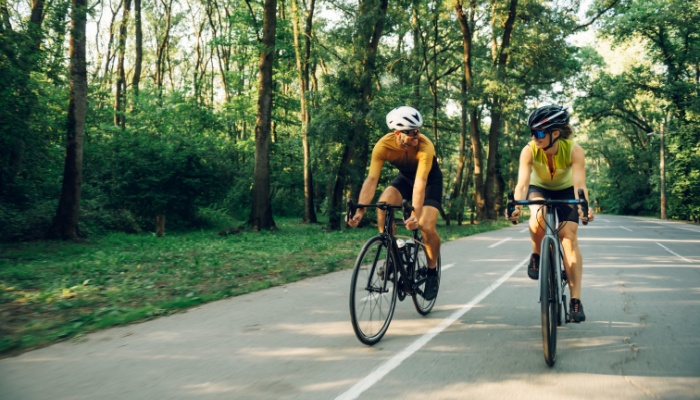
x,y
404,118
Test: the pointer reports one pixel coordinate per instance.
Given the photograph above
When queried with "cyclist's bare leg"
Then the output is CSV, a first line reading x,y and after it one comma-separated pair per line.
x,y
392,196
573,261
430,235
536,223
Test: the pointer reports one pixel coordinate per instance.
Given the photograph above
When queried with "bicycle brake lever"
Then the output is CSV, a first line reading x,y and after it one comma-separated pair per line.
x,y
407,209
351,210
584,206
510,206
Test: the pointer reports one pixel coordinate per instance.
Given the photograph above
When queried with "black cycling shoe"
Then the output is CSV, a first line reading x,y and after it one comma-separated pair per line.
x,y
533,270
431,286
576,313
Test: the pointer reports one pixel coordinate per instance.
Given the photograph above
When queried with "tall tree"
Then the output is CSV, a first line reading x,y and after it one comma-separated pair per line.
x,y
120,96
467,25
303,55
138,48
669,31
493,191
21,53
65,223
369,26
261,212
162,50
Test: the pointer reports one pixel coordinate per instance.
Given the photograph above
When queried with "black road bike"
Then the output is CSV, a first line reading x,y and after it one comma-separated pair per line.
x,y
388,267
552,275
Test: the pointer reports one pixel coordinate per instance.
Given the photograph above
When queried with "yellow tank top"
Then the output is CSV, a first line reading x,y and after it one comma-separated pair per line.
x,y
557,175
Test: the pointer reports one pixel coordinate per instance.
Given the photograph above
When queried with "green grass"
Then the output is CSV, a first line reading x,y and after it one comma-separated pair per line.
x,y
50,291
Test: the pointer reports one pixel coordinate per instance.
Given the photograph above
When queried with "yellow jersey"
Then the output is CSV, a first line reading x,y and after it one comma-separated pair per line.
x,y
555,174
412,162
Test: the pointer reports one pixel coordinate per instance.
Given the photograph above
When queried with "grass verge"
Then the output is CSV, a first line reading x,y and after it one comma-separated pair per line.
x,y
51,291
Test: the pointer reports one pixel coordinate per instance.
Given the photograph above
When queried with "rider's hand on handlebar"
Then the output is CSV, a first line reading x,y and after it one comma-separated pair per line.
x,y
590,216
515,215
412,223
355,220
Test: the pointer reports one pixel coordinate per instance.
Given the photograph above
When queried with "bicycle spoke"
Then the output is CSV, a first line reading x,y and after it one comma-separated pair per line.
x,y
372,292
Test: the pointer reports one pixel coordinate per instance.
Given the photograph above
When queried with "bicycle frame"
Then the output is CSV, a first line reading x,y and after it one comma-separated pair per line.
x,y
384,273
406,270
551,294
551,221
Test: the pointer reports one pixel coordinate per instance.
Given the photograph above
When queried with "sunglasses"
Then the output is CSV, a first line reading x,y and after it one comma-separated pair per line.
x,y
538,134
411,133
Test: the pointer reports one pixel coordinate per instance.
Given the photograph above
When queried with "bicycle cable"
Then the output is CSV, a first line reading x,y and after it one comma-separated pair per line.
x,y
544,220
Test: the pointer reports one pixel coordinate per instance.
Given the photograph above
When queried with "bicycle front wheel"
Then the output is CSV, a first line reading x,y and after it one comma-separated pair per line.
x,y
548,301
373,291
420,274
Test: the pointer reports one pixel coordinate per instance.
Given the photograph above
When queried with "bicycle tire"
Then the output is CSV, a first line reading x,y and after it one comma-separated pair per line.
x,y
373,291
548,301
422,305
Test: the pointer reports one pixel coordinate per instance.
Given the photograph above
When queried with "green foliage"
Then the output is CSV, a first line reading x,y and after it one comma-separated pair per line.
x,y
188,145
658,91
51,291
170,161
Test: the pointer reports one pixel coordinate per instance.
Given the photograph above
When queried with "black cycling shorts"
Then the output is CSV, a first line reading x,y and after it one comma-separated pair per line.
x,y
433,190
564,194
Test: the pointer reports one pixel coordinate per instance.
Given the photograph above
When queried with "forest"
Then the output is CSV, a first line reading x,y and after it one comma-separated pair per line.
x,y
130,116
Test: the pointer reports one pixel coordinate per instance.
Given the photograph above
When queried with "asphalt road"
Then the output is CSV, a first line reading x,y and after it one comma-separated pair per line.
x,y
482,340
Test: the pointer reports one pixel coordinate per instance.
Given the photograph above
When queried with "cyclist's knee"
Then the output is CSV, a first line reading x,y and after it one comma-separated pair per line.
x,y
391,195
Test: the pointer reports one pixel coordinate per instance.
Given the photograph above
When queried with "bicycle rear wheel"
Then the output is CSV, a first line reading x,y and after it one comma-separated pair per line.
x,y
373,291
548,301
422,305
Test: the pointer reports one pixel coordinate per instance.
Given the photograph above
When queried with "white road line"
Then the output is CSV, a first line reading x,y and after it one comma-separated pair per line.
x,y
627,229
380,372
448,266
525,230
499,243
675,254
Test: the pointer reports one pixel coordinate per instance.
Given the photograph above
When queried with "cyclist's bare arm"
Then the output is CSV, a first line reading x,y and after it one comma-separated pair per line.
x,y
578,166
524,171
418,199
369,188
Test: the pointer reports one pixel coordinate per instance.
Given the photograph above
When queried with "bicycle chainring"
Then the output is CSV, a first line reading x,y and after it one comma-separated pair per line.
x,y
400,285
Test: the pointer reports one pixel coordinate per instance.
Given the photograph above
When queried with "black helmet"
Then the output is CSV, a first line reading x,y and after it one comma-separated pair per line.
x,y
547,117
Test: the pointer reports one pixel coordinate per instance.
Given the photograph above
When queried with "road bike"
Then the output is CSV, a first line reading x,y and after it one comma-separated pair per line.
x,y
388,267
552,274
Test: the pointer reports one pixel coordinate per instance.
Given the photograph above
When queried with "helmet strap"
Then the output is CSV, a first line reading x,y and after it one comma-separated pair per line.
x,y
551,142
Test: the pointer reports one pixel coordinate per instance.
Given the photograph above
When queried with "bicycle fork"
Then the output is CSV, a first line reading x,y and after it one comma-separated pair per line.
x,y
560,287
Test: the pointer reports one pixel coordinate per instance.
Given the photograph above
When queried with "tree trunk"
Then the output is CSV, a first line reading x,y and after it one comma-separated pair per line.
x,y
456,205
302,56
369,26
467,27
120,97
65,223
261,213
160,225
138,47
162,48
494,178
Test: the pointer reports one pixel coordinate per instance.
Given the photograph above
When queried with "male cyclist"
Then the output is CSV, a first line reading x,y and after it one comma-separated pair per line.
x,y
419,180
553,166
